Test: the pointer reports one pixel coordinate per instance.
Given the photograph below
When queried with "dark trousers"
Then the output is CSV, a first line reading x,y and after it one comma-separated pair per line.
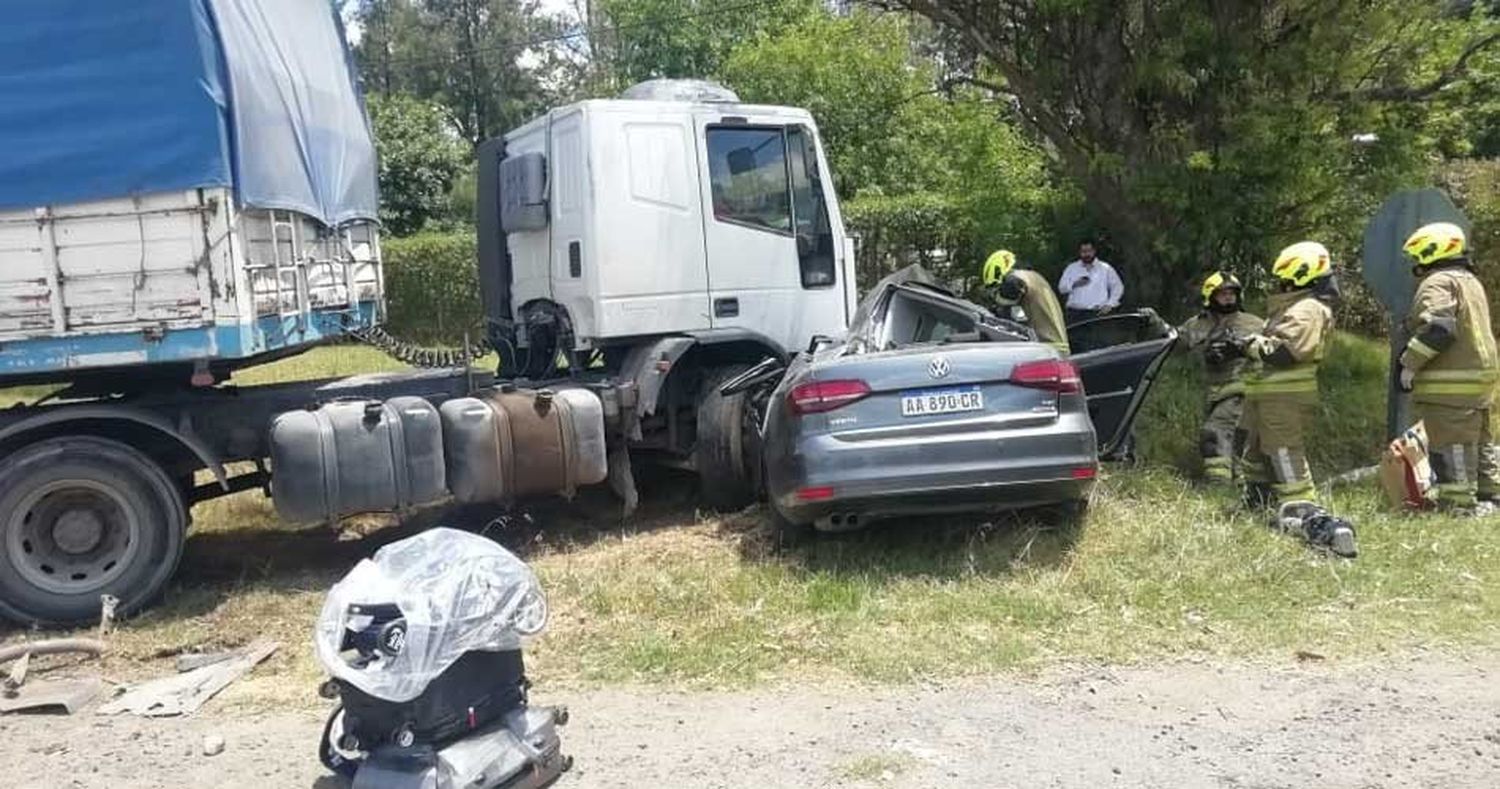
x,y
1074,316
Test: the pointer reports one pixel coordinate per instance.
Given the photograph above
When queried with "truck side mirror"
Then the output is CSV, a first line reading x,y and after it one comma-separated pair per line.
x,y
741,161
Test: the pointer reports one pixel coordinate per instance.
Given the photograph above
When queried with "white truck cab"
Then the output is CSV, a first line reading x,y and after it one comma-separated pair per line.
x,y
657,217
669,239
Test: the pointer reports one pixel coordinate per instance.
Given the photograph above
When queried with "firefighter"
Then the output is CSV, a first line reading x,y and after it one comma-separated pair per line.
x,y
1213,333
1281,396
1025,296
1450,366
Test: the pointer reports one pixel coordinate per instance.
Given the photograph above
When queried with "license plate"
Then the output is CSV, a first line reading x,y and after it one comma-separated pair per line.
x,y
952,400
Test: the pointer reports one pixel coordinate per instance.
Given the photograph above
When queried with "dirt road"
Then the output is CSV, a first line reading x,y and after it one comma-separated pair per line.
x,y
1420,722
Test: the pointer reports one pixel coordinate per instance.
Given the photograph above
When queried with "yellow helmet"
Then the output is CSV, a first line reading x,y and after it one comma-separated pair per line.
x,y
1302,263
998,265
1435,242
1215,281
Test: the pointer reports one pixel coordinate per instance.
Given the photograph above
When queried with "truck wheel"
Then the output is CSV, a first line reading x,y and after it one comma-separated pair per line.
x,y
82,517
726,452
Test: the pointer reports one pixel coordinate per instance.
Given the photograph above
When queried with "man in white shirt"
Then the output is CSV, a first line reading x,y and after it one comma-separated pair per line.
x,y
1090,286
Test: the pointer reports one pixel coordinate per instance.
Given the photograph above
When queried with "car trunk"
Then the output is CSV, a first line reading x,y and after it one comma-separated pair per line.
x,y
929,391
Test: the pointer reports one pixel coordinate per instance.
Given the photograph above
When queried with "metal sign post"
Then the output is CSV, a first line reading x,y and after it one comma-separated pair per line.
x,y
1387,271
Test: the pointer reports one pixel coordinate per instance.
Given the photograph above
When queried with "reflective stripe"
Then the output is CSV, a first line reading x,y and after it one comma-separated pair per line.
x,y
1293,381
1422,349
1061,347
1298,491
1460,467
1284,465
1487,375
1464,388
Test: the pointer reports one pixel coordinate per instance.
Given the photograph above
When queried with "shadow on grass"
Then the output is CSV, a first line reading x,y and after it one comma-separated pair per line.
x,y
939,547
255,550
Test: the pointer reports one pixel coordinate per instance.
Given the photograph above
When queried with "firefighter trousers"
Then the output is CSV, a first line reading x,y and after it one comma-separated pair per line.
x,y
1275,428
1464,457
1218,439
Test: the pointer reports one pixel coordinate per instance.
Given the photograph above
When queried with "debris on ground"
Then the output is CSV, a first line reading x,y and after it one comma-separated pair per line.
x,y
19,693
193,661
66,696
107,605
55,646
184,693
17,676
213,745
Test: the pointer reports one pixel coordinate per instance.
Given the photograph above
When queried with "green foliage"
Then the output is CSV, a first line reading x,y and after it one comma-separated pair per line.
x,y
1475,186
420,158
644,39
1215,133
432,288
468,56
930,173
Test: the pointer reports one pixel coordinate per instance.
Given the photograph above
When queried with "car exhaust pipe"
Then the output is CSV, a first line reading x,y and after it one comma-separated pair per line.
x,y
839,521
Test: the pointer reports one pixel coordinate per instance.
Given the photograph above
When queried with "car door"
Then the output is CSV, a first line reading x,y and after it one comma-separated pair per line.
x,y
1118,357
774,251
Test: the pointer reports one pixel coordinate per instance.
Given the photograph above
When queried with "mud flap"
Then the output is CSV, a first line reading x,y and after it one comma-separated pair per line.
x,y
622,481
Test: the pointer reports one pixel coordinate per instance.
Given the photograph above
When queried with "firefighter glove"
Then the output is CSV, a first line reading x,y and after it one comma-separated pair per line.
x,y
1407,378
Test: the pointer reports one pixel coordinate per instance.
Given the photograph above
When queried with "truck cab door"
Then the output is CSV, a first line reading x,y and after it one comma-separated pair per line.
x,y
775,244
1118,357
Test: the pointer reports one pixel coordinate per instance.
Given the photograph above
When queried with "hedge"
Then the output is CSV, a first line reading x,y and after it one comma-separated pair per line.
x,y
432,288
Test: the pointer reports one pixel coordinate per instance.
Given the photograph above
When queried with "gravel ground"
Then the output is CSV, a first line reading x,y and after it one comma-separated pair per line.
x,y
1417,722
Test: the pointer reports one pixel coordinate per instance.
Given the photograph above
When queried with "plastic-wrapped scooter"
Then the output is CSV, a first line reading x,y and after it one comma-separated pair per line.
x,y
424,645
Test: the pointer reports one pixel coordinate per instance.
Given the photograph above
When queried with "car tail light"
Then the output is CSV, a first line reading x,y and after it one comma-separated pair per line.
x,y
822,493
1053,375
1085,472
816,397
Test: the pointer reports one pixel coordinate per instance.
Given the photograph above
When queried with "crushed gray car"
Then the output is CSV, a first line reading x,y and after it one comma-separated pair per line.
x,y
933,404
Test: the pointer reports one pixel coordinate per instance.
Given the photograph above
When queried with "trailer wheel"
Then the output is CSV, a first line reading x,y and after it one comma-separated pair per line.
x,y
726,453
82,517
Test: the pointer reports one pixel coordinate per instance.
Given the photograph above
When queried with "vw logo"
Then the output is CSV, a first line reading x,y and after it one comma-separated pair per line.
x,y
939,367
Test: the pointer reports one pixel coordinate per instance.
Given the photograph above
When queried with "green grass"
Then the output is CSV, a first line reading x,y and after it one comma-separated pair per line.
x,y
872,768
1159,569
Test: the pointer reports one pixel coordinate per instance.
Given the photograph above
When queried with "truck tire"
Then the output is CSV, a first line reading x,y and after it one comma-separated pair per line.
x,y
82,517
726,453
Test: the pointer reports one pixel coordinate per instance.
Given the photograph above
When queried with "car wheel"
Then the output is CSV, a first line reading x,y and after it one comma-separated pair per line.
x,y
726,453
82,517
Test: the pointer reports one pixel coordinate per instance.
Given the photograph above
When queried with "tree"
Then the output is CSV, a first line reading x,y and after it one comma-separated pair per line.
x,y
478,59
1215,131
929,173
420,158
635,40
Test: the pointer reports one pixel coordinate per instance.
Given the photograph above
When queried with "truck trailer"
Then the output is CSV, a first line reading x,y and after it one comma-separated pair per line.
x,y
189,189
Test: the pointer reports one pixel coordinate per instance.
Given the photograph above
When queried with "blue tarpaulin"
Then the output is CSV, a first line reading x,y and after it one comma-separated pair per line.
x,y
111,98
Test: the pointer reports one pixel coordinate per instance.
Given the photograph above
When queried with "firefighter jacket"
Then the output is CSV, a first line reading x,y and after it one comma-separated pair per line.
x,y
1043,311
1452,346
1226,378
1289,349
1039,309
